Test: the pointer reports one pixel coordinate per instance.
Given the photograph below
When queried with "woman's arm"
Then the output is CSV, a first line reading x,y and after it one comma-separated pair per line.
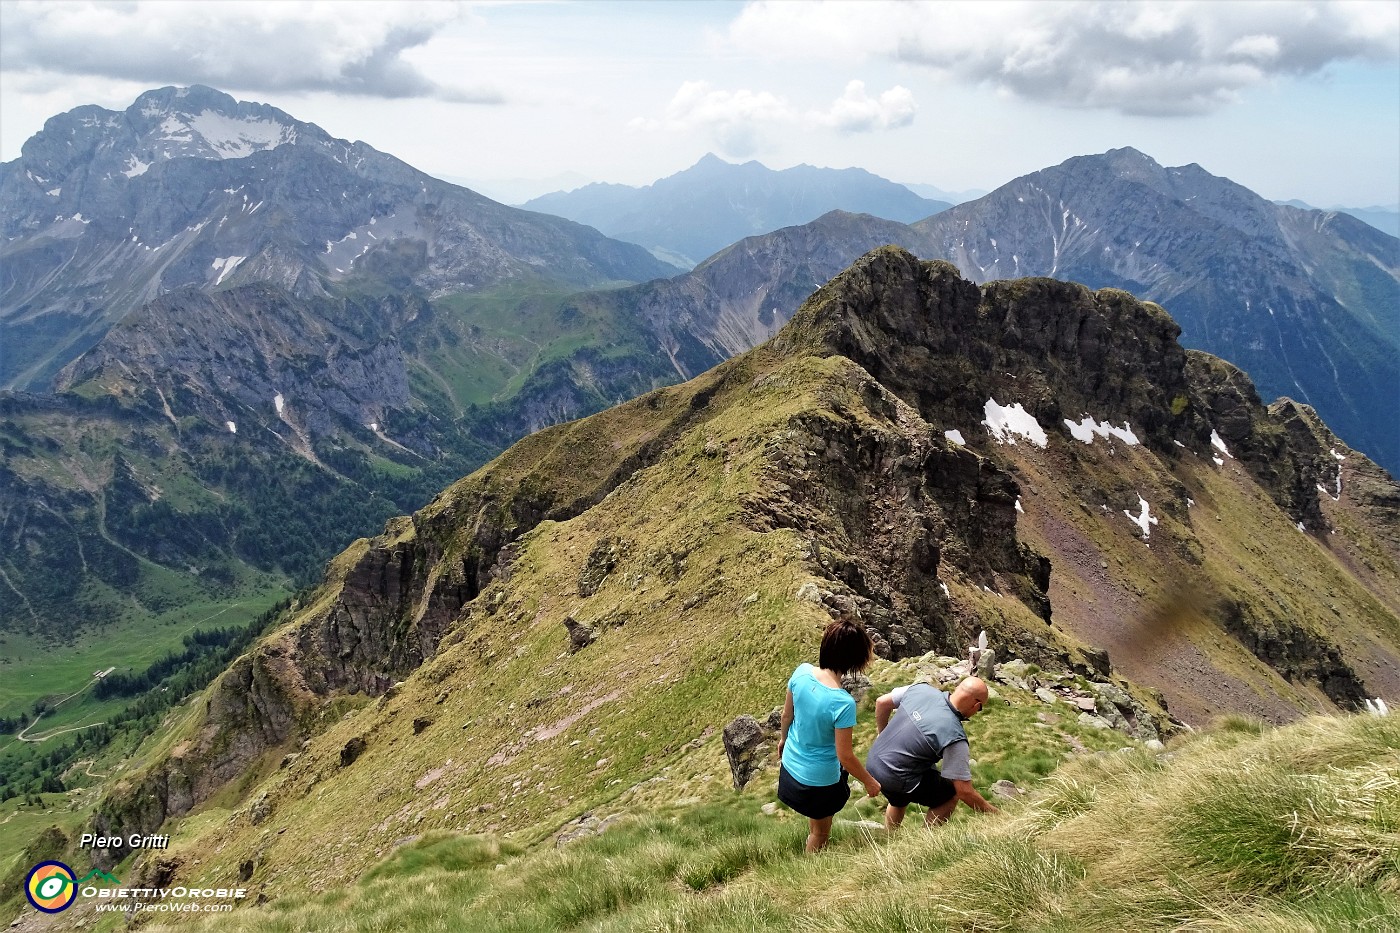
x,y
847,756
783,727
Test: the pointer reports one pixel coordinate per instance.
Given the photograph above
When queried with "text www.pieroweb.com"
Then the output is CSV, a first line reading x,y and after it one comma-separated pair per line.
x,y
186,907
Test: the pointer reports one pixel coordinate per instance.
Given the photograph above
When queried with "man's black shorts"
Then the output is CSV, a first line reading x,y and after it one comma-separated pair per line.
x,y
933,790
815,803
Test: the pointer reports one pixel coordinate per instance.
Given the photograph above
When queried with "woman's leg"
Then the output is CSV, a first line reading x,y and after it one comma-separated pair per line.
x,y
819,831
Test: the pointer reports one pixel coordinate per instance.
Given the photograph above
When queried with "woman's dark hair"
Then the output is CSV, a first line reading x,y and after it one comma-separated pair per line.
x,y
846,647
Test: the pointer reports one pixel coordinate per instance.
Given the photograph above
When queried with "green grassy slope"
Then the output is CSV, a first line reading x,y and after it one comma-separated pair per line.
x,y
1241,827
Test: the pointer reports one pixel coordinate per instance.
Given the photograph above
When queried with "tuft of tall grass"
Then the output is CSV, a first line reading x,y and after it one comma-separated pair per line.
x,y
445,852
1237,723
720,863
725,912
1265,829
894,911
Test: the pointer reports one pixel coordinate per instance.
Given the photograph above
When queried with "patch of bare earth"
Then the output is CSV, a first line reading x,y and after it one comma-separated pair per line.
x,y
1144,645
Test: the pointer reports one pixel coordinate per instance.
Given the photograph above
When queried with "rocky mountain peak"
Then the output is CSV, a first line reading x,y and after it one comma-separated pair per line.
x,y
709,162
162,124
1128,161
1060,349
201,122
1287,295
105,211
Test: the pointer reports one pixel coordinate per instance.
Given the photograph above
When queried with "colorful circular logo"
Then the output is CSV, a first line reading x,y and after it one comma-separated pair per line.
x,y
50,887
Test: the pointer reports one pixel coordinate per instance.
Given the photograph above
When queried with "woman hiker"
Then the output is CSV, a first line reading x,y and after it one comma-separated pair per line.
x,y
814,740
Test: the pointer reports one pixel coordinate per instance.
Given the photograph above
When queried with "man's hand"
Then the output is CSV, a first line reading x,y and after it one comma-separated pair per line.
x,y
872,787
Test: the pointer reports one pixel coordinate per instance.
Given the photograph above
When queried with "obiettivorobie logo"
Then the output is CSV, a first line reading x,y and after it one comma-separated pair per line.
x,y
51,886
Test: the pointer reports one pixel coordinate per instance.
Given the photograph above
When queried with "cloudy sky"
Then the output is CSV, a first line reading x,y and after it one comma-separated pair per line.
x,y
1292,99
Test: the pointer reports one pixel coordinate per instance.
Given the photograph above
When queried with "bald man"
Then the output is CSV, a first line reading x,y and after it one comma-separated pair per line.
x,y
905,755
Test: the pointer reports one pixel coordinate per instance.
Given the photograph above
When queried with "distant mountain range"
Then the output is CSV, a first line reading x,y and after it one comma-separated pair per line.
x,y
697,212
1384,219
935,193
1308,302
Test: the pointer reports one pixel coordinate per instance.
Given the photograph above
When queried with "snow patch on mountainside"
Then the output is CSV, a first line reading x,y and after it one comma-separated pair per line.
x,y
1145,519
1089,426
227,137
1006,424
226,264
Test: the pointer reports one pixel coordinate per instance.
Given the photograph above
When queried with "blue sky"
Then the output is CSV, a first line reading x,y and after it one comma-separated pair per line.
x,y
1292,99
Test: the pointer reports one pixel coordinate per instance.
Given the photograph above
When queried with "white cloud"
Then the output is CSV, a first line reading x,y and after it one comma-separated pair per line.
x,y
1173,58
739,121
735,120
348,48
855,111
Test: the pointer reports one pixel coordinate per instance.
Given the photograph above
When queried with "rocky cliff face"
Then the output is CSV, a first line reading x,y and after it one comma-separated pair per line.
x,y
259,356
1291,296
1066,350
1030,458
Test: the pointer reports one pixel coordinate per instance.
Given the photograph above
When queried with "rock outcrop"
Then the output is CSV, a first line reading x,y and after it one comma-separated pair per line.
x,y
748,745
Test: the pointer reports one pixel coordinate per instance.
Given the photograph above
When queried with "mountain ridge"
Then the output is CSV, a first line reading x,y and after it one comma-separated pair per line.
x,y
696,538
702,209
1287,294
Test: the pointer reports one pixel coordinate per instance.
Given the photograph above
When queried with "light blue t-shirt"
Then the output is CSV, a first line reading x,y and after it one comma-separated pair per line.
x,y
817,712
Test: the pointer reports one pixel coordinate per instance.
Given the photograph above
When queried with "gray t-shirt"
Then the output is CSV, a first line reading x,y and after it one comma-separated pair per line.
x,y
924,730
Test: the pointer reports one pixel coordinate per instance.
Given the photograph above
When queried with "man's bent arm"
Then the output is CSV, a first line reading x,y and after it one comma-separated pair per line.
x,y
884,707
969,795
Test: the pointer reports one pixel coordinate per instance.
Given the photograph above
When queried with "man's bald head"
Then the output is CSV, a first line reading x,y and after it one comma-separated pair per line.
x,y
970,696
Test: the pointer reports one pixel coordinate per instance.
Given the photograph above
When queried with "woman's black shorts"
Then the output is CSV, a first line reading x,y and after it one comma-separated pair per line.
x,y
815,803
